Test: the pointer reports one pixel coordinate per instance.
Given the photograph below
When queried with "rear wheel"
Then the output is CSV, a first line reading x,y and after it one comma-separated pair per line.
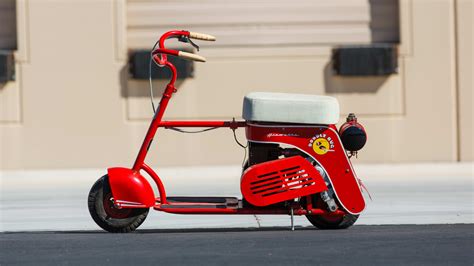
x,y
104,213
331,222
326,221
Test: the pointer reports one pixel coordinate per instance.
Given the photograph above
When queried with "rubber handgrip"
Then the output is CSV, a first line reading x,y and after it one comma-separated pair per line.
x,y
201,36
191,56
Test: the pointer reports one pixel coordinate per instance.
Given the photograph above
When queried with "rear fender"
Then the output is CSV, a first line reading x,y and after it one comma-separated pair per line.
x,y
330,154
130,189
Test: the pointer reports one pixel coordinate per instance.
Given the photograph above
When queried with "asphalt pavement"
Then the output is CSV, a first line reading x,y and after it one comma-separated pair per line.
x,y
359,245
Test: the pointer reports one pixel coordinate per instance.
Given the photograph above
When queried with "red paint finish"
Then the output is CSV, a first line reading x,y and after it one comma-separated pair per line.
x,y
353,123
153,126
118,184
170,89
195,210
247,211
165,51
130,189
159,184
323,144
168,35
280,180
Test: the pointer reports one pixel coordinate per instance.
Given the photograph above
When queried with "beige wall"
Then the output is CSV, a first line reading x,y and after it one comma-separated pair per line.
x,y
72,104
465,72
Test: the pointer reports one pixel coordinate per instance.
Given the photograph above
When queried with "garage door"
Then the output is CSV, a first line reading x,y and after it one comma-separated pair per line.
x,y
268,22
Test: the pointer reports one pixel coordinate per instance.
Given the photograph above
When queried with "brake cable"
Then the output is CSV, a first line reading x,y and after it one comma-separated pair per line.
x,y
184,39
189,131
149,76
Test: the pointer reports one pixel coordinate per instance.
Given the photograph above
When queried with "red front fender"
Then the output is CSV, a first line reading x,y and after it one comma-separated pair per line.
x,y
130,189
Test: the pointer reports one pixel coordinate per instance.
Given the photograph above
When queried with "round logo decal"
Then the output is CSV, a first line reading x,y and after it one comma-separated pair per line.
x,y
322,144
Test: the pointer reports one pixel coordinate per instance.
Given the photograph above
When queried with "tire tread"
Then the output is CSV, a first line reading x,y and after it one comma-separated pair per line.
x,y
122,225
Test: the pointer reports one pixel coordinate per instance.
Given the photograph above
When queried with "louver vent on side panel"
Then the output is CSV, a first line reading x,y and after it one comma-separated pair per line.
x,y
280,180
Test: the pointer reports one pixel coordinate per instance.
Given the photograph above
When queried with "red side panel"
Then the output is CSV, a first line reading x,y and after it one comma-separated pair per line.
x,y
323,144
280,180
130,189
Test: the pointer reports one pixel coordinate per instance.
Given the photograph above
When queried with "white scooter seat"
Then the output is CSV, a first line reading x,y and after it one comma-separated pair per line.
x,y
290,108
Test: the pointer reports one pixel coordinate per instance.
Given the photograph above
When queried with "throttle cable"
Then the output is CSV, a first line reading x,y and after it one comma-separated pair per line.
x,y
150,80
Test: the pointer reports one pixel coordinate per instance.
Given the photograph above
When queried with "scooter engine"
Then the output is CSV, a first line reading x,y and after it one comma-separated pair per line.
x,y
280,180
264,152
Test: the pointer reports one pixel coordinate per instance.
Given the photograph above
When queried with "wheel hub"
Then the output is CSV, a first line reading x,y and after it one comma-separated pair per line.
x,y
112,211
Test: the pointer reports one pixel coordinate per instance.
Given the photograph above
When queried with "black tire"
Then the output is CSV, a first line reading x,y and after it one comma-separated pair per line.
x,y
329,222
109,218
322,222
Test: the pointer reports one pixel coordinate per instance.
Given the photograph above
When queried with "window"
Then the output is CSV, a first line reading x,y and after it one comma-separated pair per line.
x,y
8,38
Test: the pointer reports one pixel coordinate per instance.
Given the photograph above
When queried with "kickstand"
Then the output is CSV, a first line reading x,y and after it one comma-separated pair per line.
x,y
292,220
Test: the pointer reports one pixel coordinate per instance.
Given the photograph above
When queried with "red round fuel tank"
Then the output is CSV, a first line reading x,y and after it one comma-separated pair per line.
x,y
353,135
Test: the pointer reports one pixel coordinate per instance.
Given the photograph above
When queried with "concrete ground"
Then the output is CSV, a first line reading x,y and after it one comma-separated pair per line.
x,y
360,245
440,193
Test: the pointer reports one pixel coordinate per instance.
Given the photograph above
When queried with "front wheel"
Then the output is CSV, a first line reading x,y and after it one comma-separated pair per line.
x,y
109,218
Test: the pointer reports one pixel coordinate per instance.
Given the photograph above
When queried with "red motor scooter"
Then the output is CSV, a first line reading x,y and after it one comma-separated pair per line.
x,y
298,161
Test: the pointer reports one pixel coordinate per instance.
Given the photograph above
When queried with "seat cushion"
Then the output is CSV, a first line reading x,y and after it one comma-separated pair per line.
x,y
290,108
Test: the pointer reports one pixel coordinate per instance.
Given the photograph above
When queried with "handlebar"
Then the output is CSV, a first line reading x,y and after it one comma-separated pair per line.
x,y
185,55
191,56
201,36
